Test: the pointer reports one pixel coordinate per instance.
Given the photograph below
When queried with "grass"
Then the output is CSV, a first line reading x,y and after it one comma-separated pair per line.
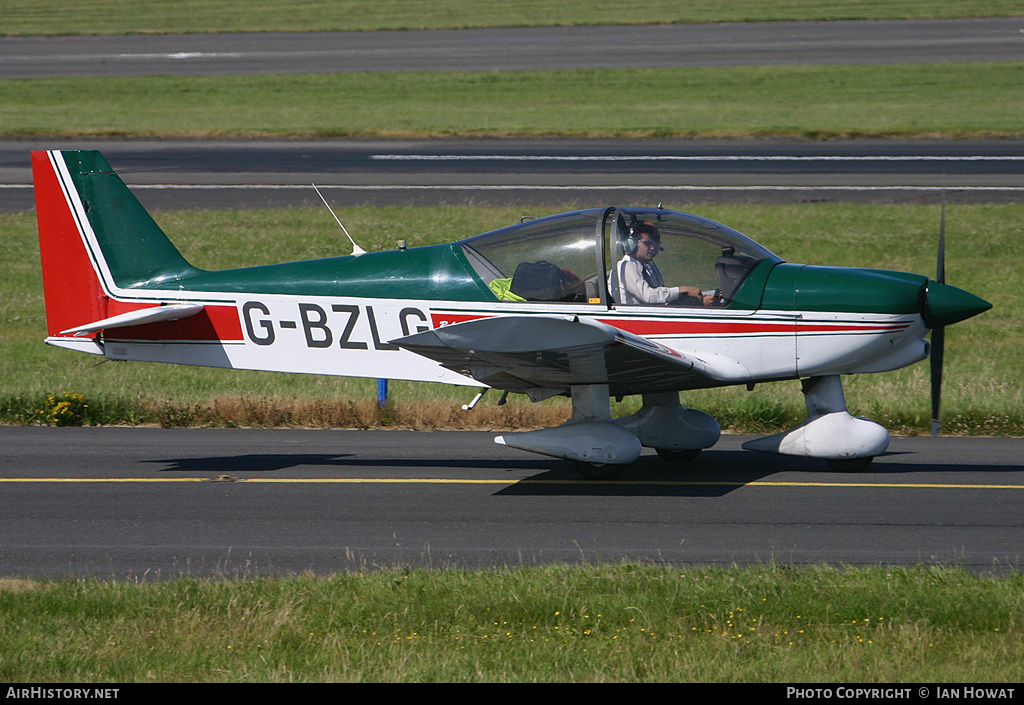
x,y
983,395
169,16
622,623
804,101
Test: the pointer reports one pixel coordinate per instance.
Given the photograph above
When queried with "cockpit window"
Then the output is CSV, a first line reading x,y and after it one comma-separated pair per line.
x,y
660,257
556,259
546,259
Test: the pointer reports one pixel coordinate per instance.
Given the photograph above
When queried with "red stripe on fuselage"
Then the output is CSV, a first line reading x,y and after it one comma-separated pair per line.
x,y
662,327
440,320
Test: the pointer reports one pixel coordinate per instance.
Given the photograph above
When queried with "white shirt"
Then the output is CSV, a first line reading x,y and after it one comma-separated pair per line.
x,y
633,282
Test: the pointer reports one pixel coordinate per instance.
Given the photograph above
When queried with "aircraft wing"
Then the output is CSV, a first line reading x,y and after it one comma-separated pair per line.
x,y
546,355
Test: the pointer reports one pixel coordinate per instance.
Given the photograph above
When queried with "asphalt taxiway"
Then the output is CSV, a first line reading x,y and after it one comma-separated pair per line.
x,y
157,503
849,42
174,174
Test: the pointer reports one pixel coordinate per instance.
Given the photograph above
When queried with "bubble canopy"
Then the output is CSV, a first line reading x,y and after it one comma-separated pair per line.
x,y
568,257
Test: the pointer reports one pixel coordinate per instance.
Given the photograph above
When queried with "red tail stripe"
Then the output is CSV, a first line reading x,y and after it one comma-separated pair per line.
x,y
72,289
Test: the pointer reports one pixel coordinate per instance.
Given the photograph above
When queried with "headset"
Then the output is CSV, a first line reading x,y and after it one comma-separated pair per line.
x,y
635,234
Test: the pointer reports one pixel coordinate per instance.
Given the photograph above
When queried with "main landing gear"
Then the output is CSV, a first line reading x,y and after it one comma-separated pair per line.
x,y
601,446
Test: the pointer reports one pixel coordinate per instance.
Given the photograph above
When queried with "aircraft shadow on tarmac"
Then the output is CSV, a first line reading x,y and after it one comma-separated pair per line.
x,y
270,462
713,473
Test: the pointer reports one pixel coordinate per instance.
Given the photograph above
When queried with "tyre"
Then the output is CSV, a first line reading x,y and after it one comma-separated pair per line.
x,y
849,464
598,471
678,456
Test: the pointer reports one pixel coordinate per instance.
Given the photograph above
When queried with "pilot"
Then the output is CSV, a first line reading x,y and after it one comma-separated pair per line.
x,y
637,279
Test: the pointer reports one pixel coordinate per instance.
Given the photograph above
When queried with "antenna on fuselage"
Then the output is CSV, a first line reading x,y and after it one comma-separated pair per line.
x,y
356,249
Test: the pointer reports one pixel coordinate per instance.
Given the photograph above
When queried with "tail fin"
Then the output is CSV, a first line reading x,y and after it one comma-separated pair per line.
x,y
95,239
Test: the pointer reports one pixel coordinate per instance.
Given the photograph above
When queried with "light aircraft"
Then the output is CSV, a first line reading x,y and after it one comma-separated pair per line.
x,y
536,308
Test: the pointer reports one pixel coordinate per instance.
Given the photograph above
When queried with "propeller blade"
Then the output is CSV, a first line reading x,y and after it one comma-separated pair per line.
x,y
939,332
940,275
938,343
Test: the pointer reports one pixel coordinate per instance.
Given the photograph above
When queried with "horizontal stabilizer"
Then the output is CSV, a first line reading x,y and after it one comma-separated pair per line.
x,y
170,312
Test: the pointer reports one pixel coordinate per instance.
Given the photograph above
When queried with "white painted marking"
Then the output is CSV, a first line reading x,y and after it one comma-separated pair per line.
x,y
692,158
624,187
180,55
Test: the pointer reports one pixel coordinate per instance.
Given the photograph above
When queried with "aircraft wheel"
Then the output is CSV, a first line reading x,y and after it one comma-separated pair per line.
x,y
849,464
678,456
598,471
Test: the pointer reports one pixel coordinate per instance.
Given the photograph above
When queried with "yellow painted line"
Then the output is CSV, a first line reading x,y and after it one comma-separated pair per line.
x,y
914,485
470,481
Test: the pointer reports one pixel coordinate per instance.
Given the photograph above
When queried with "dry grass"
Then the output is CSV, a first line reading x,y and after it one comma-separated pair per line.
x,y
9,585
347,413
